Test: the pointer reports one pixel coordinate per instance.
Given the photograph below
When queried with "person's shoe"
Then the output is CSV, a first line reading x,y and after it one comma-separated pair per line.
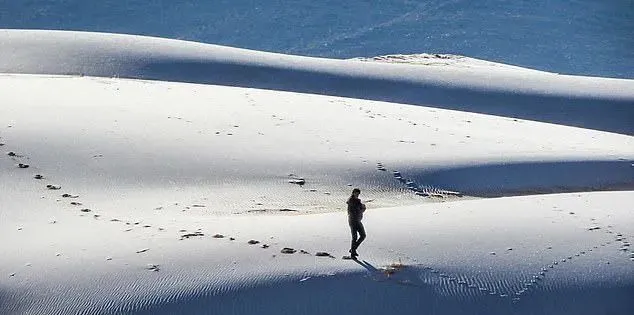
x,y
353,253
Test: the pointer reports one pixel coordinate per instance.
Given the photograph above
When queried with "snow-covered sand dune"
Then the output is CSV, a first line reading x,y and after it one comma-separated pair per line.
x,y
140,196
570,100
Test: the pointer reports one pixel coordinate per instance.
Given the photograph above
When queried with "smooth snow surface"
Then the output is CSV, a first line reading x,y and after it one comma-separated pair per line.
x,y
140,196
570,100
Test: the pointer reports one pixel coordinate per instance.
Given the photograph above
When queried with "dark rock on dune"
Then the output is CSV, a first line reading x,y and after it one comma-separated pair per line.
x,y
287,250
188,235
323,254
298,181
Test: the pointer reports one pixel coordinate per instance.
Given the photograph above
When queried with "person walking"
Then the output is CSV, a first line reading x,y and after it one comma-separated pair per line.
x,y
355,214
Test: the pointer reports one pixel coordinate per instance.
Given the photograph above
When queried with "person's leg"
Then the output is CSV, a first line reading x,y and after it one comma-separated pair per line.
x,y
353,230
361,231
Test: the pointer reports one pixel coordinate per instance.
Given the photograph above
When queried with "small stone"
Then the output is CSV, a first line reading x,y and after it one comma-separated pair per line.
x,y
23,165
38,176
143,250
53,187
12,274
253,242
218,236
85,210
265,246
152,267
75,203
108,258
232,239
11,153
322,254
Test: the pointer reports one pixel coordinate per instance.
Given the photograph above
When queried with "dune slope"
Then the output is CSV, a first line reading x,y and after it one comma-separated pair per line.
x,y
163,196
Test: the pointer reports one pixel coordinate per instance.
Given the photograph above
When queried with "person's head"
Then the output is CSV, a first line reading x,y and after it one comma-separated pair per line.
x,y
356,192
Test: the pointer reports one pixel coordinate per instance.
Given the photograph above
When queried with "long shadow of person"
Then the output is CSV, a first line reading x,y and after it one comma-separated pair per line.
x,y
366,265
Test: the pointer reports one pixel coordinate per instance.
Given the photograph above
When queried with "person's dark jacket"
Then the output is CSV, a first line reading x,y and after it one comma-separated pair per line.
x,y
355,209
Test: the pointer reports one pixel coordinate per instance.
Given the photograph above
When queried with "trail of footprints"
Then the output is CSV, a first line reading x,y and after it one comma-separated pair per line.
x,y
419,189
515,292
152,267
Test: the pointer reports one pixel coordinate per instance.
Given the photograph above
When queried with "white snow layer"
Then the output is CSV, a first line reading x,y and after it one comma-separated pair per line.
x,y
140,196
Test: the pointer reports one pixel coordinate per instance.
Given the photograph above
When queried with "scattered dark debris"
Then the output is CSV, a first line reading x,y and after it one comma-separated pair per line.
x,y
253,242
323,254
287,250
304,252
272,210
298,181
188,235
